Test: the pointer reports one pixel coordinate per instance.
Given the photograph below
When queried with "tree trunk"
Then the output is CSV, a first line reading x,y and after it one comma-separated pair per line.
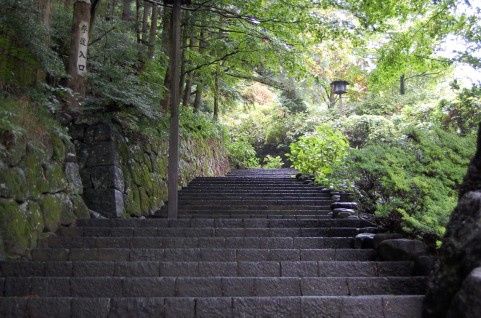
x,y
145,22
216,96
93,15
402,86
127,13
153,33
190,77
77,68
187,89
166,35
200,88
198,97
332,98
173,170
45,11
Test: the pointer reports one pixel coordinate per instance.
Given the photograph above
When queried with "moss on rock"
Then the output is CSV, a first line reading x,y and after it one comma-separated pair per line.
x,y
80,209
13,184
14,228
35,179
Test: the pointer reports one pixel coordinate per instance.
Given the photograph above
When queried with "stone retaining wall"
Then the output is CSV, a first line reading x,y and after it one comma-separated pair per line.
x,y
40,189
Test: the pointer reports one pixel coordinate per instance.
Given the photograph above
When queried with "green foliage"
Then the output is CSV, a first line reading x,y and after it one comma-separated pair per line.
x,y
318,153
410,183
200,125
242,154
463,114
271,162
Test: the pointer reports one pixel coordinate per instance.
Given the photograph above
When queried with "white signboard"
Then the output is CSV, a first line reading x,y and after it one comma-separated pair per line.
x,y
82,48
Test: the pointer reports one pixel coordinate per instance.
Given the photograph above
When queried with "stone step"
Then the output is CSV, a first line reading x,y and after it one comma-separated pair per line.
x,y
205,269
250,202
94,287
199,242
214,232
220,215
381,306
237,196
258,207
221,223
202,254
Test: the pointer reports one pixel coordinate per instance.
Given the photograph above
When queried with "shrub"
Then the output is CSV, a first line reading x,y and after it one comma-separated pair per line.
x,y
271,162
410,184
317,153
242,154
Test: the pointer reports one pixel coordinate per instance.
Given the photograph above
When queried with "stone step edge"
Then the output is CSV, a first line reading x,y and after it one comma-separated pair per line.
x,y
211,286
205,269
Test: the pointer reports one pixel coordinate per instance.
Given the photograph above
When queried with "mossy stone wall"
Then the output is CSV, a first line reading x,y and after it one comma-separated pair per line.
x,y
40,189
124,173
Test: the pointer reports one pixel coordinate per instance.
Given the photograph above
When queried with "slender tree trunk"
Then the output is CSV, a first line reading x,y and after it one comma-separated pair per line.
x,y
138,23
332,98
111,8
153,33
200,88
198,97
77,68
216,96
93,15
183,65
127,13
166,35
145,22
187,89
402,86
189,77
173,170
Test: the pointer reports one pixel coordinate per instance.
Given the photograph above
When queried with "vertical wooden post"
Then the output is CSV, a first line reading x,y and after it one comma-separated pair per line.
x,y
173,176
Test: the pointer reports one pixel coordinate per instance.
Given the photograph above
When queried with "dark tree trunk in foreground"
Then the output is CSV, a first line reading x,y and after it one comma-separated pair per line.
x,y
173,173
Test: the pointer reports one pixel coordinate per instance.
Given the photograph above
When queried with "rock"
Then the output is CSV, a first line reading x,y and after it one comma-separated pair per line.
x,y
380,237
72,174
335,212
343,215
99,132
108,202
16,147
364,240
80,209
71,157
107,177
13,184
63,118
96,215
55,177
401,249
348,197
103,154
335,197
346,205
56,209
466,301
423,265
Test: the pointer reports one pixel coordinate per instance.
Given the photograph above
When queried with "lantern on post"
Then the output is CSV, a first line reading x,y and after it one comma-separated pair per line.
x,y
339,88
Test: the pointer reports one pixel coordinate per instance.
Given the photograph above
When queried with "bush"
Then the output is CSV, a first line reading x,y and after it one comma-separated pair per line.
x,y
317,153
271,162
242,154
410,184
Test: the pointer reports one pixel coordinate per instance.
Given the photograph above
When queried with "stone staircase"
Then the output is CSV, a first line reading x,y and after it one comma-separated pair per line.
x,y
256,243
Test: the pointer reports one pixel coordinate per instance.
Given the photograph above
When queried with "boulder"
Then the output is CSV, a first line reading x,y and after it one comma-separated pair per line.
x,y
364,240
401,249
378,238
466,301
345,205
